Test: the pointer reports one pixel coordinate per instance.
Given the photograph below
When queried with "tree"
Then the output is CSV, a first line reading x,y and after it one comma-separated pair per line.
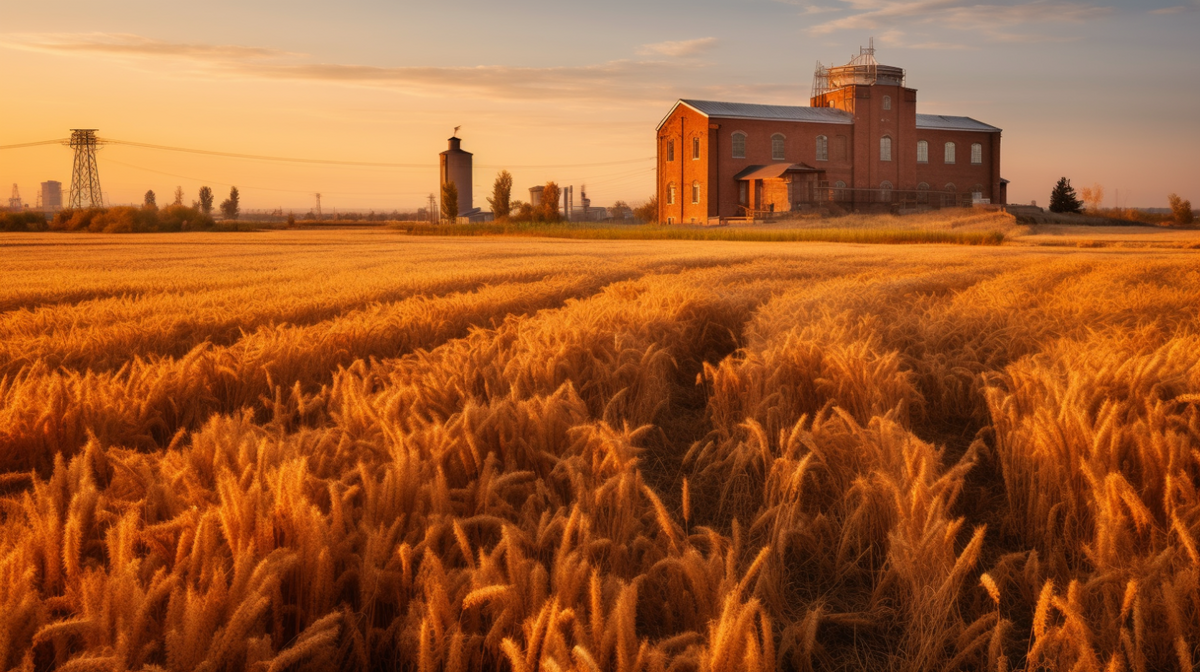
x,y
449,202
229,208
501,195
1093,196
549,209
206,200
1181,209
620,210
178,195
1063,198
648,211
149,200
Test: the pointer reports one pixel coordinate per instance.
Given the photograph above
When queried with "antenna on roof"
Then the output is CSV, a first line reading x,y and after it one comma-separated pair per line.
x,y
456,131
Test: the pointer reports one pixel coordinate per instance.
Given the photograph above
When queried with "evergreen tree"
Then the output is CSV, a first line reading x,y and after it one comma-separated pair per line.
x,y
178,195
206,200
149,200
230,207
1063,198
502,195
449,202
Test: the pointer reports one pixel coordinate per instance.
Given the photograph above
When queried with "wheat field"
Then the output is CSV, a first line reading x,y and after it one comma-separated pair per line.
x,y
367,451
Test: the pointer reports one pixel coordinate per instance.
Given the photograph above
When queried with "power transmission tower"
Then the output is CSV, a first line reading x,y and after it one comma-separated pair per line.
x,y
14,203
85,176
433,208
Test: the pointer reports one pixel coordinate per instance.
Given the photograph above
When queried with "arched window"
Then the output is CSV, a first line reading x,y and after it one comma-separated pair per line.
x,y
777,147
949,152
976,154
822,148
885,192
948,196
922,151
885,148
670,150
923,192
887,102
671,194
696,191
839,190
977,192
739,145
950,188
695,148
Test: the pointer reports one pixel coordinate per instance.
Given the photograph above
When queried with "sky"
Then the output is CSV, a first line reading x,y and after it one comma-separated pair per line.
x,y
1101,91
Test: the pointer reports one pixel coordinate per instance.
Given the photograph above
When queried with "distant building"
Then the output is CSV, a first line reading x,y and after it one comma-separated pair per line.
x,y
859,145
456,167
52,196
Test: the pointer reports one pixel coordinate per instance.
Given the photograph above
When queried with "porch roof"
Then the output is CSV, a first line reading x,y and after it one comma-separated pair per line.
x,y
774,171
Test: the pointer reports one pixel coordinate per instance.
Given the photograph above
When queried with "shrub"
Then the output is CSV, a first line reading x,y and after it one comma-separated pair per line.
x,y
1181,210
22,221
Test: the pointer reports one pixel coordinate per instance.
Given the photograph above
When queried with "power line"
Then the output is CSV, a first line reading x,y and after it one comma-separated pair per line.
x,y
368,164
59,141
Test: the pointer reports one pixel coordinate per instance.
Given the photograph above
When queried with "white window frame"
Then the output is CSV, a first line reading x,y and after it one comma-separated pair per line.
x,y
922,151
738,152
885,148
951,151
976,154
670,150
695,149
887,102
670,193
822,148
779,141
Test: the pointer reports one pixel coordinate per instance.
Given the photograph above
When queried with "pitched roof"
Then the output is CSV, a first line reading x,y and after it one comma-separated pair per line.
x,y
774,170
711,108
828,115
941,122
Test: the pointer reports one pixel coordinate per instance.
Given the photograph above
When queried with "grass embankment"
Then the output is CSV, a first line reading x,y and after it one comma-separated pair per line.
x,y
881,235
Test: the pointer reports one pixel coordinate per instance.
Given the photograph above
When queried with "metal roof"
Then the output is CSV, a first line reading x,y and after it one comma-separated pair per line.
x,y
773,170
941,122
711,108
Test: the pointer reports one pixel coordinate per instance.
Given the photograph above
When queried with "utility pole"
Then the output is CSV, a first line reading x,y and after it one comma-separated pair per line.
x,y
85,175
318,213
433,207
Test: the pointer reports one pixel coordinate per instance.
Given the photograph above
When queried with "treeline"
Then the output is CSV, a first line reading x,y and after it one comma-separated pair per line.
x,y
128,219
1089,200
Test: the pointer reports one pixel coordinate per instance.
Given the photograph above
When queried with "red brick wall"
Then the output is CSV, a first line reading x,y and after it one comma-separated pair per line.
x,y
962,173
683,125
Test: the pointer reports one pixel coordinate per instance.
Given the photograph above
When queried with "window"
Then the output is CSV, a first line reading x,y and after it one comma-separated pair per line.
x,y
976,154
949,152
887,102
671,194
885,192
670,150
922,152
739,145
822,148
949,198
777,147
950,188
923,192
977,192
695,148
839,190
743,192
885,148
696,191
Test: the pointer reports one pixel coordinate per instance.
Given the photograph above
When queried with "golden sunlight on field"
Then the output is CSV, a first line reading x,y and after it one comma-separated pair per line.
x,y
361,450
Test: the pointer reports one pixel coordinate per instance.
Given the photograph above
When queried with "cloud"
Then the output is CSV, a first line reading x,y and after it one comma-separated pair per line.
x,y
678,48
1174,10
965,15
612,81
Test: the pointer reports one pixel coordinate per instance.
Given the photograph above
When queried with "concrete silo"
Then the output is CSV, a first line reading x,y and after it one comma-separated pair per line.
x,y
456,168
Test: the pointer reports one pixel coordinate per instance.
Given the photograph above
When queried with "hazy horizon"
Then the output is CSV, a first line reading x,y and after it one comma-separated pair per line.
x,y
1101,92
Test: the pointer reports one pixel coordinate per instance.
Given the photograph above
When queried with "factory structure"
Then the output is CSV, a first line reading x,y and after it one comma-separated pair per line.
x,y
49,198
457,167
859,145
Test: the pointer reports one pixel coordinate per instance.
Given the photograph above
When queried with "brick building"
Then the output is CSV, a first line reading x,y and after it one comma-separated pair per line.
x,y
860,145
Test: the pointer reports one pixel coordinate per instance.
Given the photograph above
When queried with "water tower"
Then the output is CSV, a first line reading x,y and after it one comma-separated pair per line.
x,y
456,168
